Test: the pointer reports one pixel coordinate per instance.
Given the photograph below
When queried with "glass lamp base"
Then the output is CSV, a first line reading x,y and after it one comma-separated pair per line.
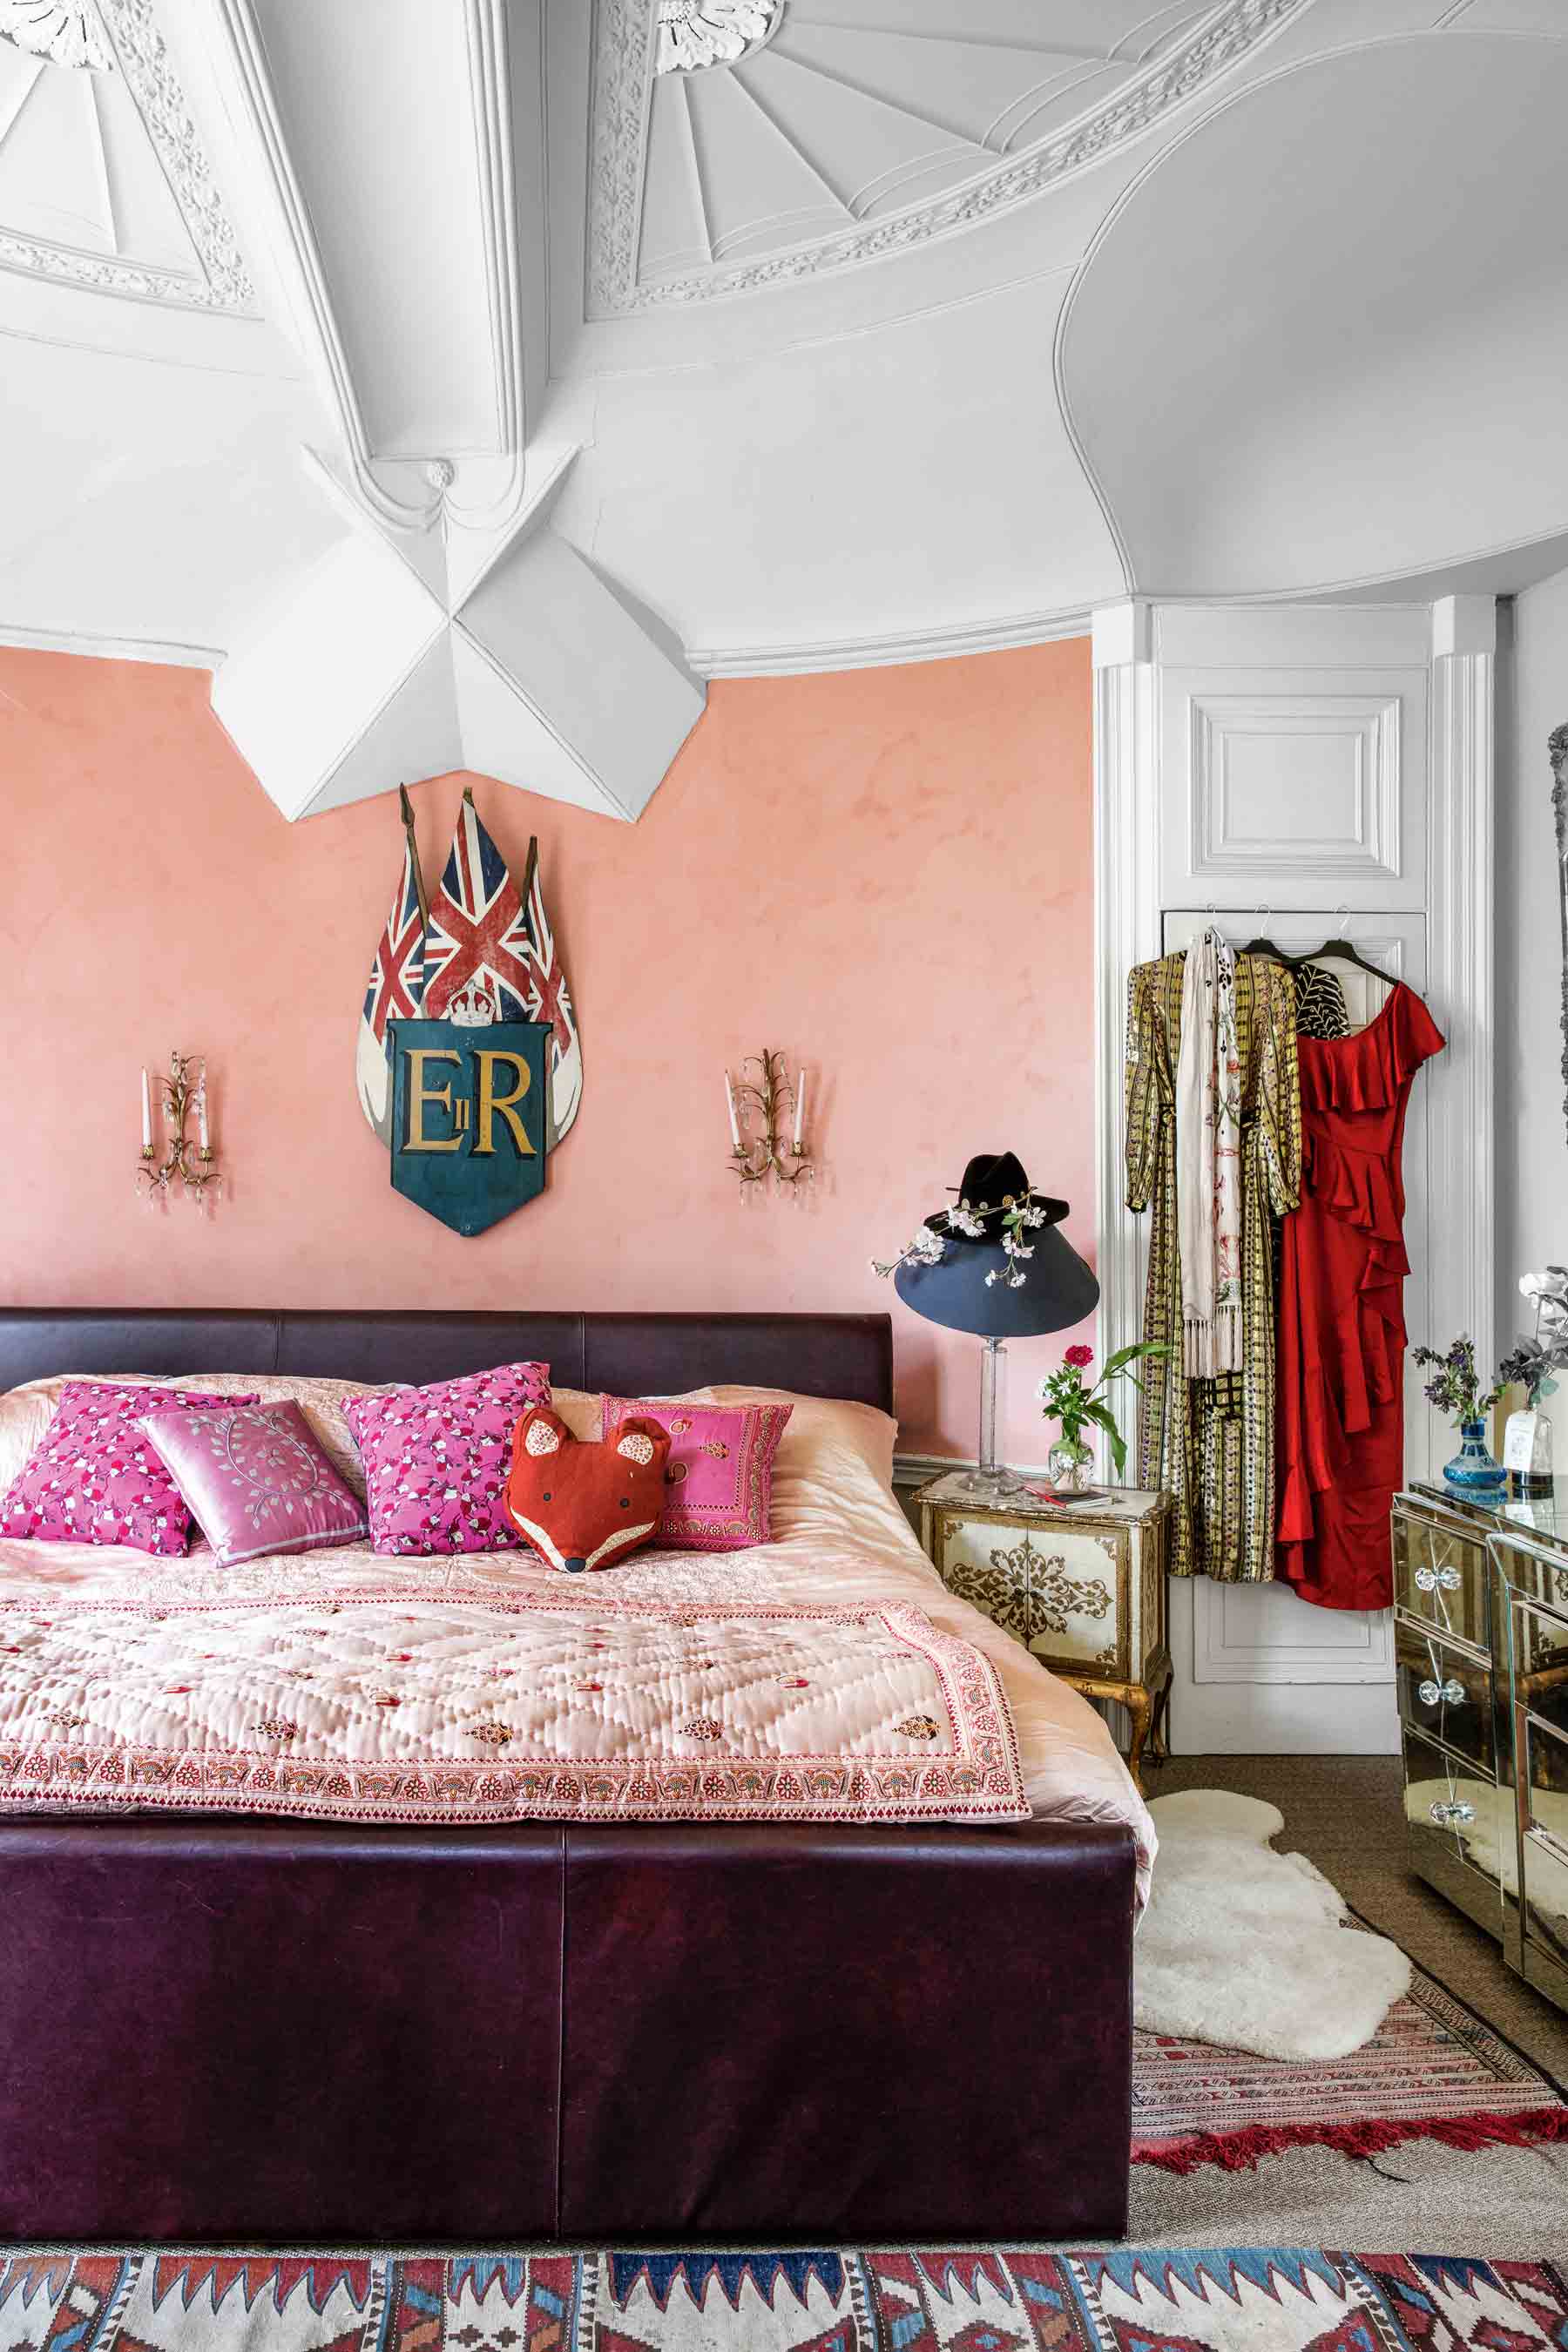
x,y
991,1480
982,1485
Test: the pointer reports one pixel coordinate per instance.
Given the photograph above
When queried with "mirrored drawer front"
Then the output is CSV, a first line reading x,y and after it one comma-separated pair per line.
x,y
1454,1814
1545,1844
1443,1691
1540,1673
1531,1571
1440,1576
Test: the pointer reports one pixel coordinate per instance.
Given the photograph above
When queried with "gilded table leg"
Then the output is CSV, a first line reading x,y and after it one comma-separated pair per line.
x,y
1159,1729
1140,1707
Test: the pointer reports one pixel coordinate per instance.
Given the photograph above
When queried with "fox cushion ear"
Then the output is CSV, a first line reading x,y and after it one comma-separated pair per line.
x,y
584,1502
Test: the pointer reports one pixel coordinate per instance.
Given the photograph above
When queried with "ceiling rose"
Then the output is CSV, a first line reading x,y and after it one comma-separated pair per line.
x,y
67,32
697,33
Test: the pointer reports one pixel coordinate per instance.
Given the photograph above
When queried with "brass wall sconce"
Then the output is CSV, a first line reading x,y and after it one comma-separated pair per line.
x,y
189,1164
759,1109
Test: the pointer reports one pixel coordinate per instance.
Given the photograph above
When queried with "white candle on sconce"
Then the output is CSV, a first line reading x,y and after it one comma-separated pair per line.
x,y
146,1114
734,1122
202,1110
799,1111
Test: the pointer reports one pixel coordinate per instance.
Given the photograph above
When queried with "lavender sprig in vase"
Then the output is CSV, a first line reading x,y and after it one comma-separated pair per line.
x,y
1455,1388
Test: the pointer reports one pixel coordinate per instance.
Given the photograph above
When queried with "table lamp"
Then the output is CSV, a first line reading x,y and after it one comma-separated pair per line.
x,y
996,1265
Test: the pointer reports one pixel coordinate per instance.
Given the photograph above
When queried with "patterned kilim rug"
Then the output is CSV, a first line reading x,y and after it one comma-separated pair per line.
x,y
995,2300
1433,2070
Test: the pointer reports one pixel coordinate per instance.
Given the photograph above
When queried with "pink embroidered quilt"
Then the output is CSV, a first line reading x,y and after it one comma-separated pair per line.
x,y
485,1707
841,1546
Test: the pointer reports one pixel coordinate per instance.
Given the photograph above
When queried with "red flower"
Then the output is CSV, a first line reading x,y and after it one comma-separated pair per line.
x,y
1079,1356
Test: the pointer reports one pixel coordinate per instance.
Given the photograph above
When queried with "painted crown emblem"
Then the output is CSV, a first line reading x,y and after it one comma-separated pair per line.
x,y
473,1007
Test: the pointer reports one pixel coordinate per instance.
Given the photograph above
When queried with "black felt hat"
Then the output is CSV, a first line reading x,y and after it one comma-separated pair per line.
x,y
969,1287
994,1182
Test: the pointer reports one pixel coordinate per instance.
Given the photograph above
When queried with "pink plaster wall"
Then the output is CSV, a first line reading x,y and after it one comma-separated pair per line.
x,y
885,872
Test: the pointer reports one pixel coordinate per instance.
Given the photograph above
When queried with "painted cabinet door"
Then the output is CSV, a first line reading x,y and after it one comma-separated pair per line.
x,y
1056,1589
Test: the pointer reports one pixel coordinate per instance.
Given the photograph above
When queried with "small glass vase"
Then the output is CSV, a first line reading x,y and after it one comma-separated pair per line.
x,y
1069,1465
1472,1470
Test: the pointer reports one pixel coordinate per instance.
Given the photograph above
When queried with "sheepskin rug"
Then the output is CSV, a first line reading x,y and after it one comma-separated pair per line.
x,y
1244,1946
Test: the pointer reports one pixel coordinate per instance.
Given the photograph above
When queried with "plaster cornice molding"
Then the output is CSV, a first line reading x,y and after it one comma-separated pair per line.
x,y
950,644
225,283
170,651
623,73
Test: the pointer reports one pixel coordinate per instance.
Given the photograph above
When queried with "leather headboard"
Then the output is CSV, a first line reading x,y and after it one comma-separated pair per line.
x,y
631,1355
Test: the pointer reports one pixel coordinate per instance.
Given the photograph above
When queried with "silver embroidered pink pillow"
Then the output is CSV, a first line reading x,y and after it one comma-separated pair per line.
x,y
256,1480
436,1459
93,1478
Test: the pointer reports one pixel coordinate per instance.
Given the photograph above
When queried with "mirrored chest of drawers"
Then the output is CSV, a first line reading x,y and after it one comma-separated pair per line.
x,y
1480,1596
1081,1585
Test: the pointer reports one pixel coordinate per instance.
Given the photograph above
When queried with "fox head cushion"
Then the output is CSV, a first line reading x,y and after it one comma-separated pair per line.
x,y
586,1503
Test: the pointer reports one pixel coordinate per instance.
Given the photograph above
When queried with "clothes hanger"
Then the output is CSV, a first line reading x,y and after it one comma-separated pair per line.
x,y
1262,946
1342,952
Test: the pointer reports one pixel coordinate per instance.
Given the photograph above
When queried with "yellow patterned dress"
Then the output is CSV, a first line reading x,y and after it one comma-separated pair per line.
x,y
1211,1442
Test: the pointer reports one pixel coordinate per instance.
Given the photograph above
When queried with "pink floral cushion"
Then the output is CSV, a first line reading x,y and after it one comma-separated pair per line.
x,y
94,1478
719,1479
436,1459
256,1480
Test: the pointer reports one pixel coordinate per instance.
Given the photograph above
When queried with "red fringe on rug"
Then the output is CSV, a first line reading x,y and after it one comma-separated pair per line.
x,y
1240,2152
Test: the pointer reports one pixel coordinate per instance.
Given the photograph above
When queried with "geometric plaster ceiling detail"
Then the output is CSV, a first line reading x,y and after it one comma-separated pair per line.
x,y
104,181
400,656
451,624
863,128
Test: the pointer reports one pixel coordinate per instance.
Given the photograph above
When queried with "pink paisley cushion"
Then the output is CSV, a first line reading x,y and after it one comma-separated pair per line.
x,y
255,1480
719,1486
95,1477
436,1459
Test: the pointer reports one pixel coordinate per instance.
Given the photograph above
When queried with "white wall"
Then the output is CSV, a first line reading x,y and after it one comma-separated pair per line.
x,y
1531,1133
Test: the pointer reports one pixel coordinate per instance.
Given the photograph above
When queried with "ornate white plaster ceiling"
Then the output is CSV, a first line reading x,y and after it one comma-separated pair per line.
x,y
825,134
104,182
466,388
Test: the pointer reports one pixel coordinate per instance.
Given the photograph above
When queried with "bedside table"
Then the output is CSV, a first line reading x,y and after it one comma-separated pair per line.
x,y
1081,1585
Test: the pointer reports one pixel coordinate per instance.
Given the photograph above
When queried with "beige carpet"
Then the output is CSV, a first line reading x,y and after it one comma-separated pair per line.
x,y
1345,1814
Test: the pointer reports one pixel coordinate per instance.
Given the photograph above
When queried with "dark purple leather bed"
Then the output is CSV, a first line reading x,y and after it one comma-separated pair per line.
x,y
220,2029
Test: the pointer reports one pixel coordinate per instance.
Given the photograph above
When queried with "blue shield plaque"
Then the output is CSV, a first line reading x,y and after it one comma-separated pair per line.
x,y
469,1112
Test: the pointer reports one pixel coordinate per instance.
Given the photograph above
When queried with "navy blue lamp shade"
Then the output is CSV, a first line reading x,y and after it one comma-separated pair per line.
x,y
1058,1289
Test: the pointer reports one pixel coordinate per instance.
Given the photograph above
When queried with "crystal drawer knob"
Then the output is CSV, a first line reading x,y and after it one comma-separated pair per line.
x,y
1437,1579
1451,1693
1452,1816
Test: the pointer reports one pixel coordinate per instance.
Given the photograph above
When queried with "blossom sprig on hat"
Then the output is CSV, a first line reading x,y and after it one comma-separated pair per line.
x,y
1019,1215
927,1247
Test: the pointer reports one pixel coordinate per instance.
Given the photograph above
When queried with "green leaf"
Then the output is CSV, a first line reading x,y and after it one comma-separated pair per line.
x,y
1104,1418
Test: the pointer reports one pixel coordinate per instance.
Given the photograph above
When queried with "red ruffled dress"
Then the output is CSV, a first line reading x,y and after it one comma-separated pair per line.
x,y
1342,1310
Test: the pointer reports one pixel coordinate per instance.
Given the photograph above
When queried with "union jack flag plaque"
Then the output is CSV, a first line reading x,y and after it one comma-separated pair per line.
x,y
470,1113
